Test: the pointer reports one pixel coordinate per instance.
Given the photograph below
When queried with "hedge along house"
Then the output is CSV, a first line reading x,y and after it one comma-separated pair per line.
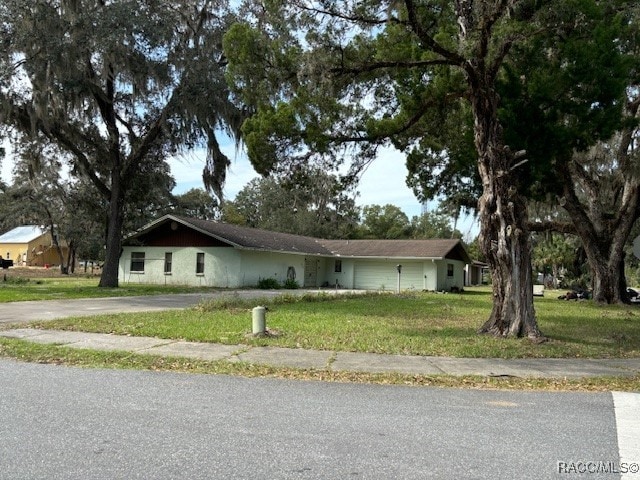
x,y
186,251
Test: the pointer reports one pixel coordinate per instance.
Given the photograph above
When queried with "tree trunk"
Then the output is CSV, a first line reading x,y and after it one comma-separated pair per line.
x,y
109,277
607,285
606,263
504,240
504,235
63,268
603,238
71,258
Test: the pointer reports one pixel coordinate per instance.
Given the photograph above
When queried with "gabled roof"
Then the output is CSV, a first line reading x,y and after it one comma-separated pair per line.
x,y
265,240
24,234
428,248
243,237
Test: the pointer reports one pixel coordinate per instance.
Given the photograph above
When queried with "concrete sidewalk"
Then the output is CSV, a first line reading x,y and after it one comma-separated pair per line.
x,y
336,361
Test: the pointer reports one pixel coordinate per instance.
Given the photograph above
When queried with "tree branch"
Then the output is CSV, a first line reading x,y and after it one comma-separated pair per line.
x,y
376,138
427,39
581,175
552,226
391,64
343,16
488,23
29,123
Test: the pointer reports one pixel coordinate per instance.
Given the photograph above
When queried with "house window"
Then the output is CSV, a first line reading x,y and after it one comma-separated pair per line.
x,y
200,264
337,266
449,269
8,255
137,262
168,258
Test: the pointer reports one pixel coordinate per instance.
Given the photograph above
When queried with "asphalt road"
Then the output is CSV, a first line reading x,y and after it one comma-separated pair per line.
x,y
61,422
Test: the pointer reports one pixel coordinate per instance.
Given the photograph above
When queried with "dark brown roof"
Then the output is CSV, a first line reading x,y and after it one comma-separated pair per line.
x,y
244,237
258,239
432,248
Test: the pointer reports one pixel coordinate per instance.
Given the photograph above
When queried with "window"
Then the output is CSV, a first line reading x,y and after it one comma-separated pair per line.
x,y
137,262
168,257
200,264
338,266
449,269
8,255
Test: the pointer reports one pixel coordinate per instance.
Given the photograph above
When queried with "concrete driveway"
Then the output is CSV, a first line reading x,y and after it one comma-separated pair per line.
x,y
23,312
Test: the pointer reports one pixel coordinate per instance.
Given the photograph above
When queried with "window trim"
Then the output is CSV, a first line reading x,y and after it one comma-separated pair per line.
x,y
450,270
137,260
200,263
168,262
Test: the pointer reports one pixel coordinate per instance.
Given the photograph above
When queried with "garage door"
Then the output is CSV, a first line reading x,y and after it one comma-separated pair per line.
x,y
372,275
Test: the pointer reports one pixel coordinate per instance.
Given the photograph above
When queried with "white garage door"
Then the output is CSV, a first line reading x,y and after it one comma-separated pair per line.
x,y
372,275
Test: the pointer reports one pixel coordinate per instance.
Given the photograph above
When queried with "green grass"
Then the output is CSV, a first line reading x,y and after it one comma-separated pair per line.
x,y
18,289
411,324
421,324
33,352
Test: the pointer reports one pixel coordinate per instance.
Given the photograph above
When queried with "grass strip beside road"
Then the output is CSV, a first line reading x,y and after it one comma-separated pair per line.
x,y
52,354
408,324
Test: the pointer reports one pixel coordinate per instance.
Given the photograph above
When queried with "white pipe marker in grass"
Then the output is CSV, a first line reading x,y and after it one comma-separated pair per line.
x,y
259,320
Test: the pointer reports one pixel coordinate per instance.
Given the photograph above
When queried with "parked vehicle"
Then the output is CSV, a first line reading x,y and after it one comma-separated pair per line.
x,y
634,295
576,295
5,263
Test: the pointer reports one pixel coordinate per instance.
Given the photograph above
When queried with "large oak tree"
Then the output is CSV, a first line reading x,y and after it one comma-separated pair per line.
x,y
368,72
115,83
556,105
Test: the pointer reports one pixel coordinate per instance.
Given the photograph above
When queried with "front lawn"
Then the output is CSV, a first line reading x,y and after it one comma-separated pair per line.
x,y
408,324
19,289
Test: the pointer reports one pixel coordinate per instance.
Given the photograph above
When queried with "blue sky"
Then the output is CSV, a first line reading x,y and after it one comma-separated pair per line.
x,y
382,183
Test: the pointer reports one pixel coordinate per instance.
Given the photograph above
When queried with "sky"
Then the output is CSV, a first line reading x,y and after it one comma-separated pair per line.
x,y
384,181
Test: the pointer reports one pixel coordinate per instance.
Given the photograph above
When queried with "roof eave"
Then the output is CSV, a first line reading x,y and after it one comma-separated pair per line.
x,y
149,227
384,257
292,252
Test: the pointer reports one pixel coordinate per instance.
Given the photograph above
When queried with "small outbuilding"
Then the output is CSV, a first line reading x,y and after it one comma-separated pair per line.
x,y
30,245
186,251
475,273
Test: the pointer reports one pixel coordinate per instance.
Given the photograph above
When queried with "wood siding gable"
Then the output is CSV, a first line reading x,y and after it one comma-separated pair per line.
x,y
173,234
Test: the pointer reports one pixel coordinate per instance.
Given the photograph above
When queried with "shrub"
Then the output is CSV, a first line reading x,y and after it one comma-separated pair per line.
x,y
16,280
268,284
291,284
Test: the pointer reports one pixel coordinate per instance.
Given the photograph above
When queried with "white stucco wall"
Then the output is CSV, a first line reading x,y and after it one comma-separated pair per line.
x,y
258,265
226,267
427,279
221,266
445,282
343,278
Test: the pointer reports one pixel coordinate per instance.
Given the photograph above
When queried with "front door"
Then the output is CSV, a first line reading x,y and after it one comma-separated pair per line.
x,y
310,272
